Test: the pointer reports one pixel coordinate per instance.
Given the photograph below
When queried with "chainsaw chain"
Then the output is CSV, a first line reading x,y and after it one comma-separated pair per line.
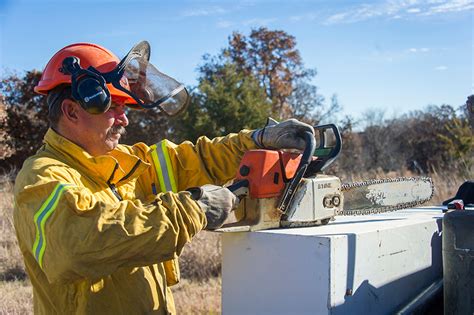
x,y
382,209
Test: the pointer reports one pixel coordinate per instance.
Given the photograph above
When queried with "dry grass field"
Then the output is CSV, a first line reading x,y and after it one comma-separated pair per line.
x,y
200,289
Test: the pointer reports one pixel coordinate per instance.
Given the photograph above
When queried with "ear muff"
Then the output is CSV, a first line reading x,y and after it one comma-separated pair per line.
x,y
88,88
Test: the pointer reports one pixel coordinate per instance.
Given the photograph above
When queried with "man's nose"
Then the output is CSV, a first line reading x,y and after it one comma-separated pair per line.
x,y
121,116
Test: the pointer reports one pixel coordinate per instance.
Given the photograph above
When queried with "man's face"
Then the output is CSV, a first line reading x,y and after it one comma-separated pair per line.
x,y
101,133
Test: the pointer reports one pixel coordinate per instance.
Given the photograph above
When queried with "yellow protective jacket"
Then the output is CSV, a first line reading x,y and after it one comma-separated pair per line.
x,y
101,235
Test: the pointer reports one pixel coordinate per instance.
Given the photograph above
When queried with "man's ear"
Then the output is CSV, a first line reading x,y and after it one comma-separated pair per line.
x,y
70,110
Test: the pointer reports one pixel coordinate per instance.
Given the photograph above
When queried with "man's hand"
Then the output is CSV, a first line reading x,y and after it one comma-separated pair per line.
x,y
285,135
216,202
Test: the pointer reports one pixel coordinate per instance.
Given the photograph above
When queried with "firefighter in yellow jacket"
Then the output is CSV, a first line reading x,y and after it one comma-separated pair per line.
x,y
101,225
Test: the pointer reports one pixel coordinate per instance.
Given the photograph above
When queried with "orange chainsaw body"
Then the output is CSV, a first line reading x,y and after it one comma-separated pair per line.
x,y
284,189
267,171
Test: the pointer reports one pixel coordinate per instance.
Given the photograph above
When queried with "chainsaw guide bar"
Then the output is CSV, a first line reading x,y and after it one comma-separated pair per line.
x,y
385,195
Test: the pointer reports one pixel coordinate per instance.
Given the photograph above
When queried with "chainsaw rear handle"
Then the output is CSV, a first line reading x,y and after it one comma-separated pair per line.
x,y
325,153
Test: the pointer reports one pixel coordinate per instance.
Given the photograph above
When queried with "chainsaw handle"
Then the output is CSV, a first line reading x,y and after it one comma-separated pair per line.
x,y
324,153
291,186
308,150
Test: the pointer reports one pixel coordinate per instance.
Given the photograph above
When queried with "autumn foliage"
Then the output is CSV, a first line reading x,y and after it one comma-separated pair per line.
x,y
254,77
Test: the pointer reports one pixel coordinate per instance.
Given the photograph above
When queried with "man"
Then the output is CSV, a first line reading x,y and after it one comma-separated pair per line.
x,y
101,225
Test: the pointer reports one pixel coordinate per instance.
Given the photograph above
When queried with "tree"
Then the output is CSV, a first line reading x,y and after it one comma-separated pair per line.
x,y
225,101
26,117
309,106
23,120
437,138
350,160
469,108
254,77
147,126
272,58
422,135
5,147
458,142
380,142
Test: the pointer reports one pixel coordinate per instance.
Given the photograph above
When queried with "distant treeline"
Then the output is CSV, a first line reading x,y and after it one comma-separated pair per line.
x,y
254,77
436,139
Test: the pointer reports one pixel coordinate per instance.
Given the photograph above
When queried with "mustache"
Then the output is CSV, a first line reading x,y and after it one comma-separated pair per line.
x,y
117,129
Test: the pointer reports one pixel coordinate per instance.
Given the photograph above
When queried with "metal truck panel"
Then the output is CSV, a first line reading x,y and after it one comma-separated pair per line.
x,y
355,265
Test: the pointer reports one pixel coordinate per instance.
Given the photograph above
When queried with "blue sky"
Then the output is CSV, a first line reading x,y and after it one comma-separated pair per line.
x,y
396,55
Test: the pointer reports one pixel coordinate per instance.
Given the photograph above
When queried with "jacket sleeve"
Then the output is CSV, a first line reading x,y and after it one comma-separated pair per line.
x,y
215,161
73,234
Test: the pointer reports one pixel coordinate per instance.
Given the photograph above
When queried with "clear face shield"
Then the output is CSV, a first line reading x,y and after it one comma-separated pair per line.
x,y
149,87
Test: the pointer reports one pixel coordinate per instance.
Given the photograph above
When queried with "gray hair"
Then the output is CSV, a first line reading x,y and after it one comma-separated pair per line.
x,y
54,99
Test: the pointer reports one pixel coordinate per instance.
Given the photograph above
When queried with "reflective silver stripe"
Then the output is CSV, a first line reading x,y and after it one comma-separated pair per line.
x,y
164,169
40,218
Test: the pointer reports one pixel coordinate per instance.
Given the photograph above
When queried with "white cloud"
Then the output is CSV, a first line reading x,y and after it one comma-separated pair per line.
x,y
435,1
337,18
365,12
451,6
396,9
441,68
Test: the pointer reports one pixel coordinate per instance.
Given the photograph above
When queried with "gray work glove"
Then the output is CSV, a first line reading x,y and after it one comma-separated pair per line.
x,y
285,135
216,202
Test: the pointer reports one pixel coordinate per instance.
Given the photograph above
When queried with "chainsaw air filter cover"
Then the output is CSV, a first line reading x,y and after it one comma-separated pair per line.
x,y
267,171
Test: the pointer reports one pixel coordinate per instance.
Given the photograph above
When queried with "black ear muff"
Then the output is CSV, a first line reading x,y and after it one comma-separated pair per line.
x,y
88,88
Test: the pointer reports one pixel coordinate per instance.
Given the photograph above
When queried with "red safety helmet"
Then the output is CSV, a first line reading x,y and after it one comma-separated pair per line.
x,y
90,55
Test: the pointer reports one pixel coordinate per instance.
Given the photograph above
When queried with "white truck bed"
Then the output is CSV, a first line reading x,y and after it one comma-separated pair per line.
x,y
354,265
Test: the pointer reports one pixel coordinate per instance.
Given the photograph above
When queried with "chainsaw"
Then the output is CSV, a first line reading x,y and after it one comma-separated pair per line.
x,y
280,189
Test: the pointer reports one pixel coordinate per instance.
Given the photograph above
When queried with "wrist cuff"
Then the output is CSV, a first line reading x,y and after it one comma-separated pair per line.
x,y
257,138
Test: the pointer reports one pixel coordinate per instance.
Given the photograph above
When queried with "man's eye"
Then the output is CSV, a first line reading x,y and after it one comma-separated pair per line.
x,y
114,107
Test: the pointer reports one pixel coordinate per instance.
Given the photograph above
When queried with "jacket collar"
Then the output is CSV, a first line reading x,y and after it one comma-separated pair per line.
x,y
116,167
